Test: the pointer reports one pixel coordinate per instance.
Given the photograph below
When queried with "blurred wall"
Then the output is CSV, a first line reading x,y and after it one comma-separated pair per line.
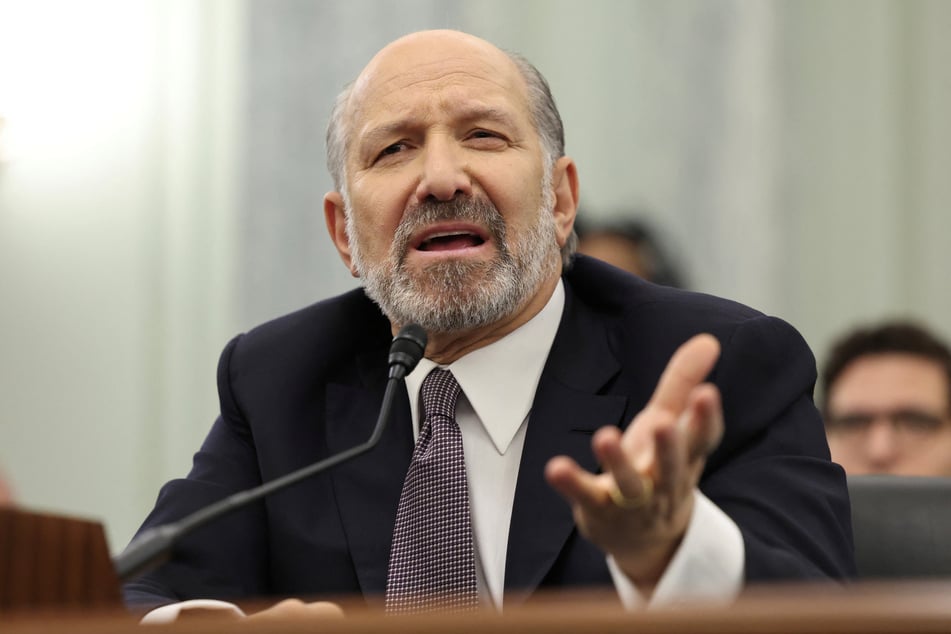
x,y
117,245
163,173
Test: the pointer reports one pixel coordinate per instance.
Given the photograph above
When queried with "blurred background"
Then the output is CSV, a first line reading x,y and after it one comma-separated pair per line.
x,y
162,173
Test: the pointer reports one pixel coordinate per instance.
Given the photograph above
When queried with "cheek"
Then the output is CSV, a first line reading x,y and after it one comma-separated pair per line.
x,y
517,197
936,454
841,450
516,172
376,220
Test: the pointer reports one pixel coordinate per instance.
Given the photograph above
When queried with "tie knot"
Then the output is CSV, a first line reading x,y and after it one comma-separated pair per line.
x,y
440,392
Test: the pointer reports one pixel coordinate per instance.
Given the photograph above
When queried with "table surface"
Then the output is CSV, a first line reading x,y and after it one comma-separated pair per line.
x,y
867,608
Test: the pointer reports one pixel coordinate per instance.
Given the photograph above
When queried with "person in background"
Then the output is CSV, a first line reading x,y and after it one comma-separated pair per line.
x,y
631,245
887,401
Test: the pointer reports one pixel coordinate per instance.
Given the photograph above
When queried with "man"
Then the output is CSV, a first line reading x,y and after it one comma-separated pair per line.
x,y
587,462
887,401
631,246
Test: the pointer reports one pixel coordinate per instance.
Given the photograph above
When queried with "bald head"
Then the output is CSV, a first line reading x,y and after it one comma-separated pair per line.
x,y
393,67
452,51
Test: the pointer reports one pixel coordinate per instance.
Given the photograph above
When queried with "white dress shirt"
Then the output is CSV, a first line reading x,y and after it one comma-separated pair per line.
x,y
498,385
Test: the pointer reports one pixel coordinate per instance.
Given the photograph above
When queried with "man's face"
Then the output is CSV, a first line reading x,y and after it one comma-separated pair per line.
x,y
889,413
450,204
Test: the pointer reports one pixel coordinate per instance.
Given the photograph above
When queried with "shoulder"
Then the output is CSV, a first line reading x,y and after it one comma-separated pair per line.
x,y
631,302
333,330
643,323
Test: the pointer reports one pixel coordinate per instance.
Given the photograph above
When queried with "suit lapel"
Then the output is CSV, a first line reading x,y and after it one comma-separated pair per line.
x,y
367,488
566,411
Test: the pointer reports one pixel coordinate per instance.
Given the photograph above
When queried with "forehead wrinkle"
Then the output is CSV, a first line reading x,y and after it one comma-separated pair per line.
x,y
403,67
464,113
446,82
463,109
445,68
473,112
382,79
370,137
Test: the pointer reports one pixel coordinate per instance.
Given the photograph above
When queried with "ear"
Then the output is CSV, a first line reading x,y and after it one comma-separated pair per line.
x,y
565,183
336,219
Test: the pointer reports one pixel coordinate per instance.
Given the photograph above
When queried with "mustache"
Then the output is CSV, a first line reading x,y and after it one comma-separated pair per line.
x,y
475,210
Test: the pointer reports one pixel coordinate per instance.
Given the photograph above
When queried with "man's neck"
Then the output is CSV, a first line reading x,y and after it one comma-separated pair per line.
x,y
446,347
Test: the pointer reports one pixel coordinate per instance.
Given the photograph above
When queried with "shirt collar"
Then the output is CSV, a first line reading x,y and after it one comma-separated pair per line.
x,y
500,379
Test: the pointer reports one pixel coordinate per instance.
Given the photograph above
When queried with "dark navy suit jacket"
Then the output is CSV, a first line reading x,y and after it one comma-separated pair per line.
x,y
310,384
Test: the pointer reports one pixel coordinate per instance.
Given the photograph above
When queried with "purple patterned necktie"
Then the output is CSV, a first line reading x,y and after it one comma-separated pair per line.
x,y
432,560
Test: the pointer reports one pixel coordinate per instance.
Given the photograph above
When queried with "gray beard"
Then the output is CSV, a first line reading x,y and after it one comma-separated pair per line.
x,y
460,295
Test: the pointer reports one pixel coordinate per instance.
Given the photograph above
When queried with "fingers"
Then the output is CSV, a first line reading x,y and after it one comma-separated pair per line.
x,y
702,422
576,485
687,369
671,454
594,490
638,508
671,482
628,472
297,609
682,410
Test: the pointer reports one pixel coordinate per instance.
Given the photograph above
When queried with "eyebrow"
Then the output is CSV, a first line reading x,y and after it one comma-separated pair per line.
x,y
464,114
487,113
378,134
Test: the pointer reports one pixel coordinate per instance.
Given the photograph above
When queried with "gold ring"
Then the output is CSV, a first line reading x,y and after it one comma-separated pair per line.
x,y
622,501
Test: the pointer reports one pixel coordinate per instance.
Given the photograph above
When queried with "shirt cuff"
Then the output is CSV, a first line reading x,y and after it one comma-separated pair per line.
x,y
708,565
169,613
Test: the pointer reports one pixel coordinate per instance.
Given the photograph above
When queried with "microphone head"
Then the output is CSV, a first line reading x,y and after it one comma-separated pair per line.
x,y
407,349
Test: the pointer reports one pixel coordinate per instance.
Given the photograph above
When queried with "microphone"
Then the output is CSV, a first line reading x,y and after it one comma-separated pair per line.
x,y
407,349
153,547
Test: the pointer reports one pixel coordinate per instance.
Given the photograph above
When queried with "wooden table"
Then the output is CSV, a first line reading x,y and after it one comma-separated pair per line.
x,y
800,609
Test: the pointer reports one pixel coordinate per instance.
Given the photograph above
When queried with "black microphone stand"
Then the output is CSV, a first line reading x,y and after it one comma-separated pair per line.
x,y
153,547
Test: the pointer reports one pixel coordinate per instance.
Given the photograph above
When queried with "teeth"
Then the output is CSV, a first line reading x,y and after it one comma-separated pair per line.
x,y
433,240
446,234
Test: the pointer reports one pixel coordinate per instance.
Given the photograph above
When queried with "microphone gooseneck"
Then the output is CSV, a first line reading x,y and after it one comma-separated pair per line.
x,y
154,546
407,349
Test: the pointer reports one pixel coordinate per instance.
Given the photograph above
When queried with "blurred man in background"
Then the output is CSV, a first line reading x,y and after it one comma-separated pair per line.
x,y
887,401
631,245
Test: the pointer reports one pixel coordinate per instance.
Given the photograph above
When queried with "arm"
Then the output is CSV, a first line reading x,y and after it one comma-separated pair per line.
x,y
771,473
228,558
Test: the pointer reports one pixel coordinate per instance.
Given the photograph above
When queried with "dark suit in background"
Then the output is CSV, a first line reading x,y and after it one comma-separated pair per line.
x,y
309,384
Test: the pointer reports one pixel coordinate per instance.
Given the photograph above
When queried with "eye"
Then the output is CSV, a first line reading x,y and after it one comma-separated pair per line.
x,y
487,139
389,150
917,421
853,423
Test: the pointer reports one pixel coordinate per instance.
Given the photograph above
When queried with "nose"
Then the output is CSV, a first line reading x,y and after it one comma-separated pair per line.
x,y
881,446
444,171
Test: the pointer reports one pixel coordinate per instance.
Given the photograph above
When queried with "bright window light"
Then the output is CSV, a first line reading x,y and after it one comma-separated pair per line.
x,y
69,71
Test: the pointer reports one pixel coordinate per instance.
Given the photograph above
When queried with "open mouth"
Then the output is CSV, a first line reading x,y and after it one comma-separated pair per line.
x,y
444,238
450,242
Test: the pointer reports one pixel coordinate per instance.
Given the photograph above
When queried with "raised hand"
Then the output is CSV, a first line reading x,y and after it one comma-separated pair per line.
x,y
639,507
